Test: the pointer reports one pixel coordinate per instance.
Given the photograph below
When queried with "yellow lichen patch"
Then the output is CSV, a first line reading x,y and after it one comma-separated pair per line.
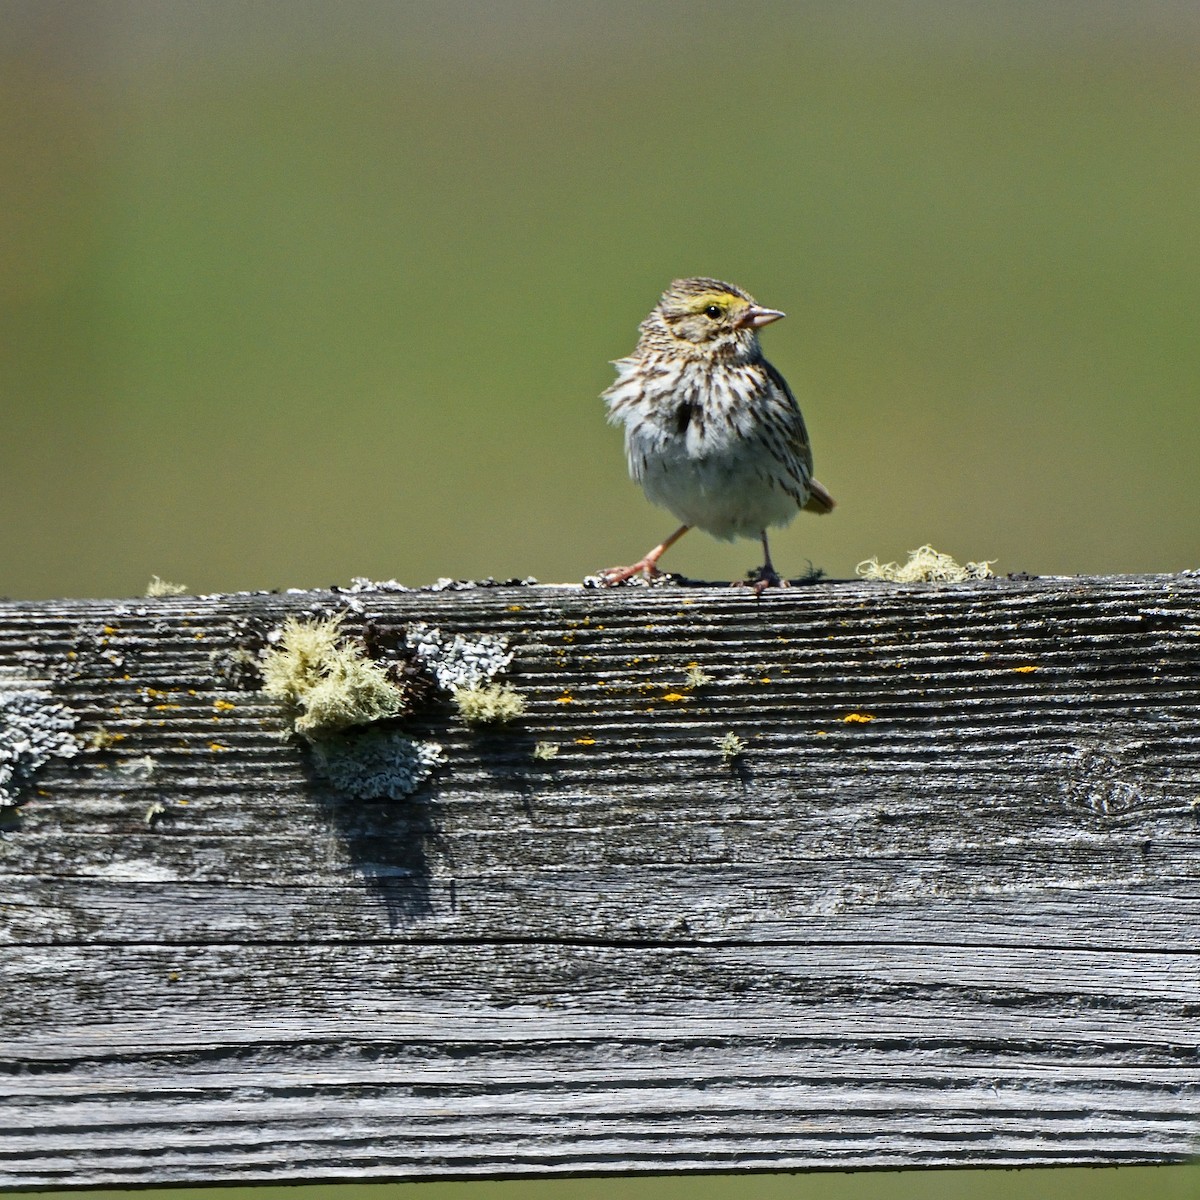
x,y
167,707
674,697
224,706
857,718
1026,670
216,746
925,565
102,739
565,698
585,741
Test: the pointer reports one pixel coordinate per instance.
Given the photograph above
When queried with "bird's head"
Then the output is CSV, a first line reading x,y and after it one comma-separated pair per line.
x,y
708,316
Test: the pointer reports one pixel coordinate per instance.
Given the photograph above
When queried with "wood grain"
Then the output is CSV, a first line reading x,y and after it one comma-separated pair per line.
x,y
945,910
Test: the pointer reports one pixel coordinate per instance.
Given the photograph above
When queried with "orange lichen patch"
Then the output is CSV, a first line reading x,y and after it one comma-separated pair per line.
x,y
223,705
585,741
1026,670
857,718
565,698
674,697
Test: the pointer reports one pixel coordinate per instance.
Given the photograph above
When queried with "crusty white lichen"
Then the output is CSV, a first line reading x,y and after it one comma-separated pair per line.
x,y
33,728
376,763
327,679
458,661
925,565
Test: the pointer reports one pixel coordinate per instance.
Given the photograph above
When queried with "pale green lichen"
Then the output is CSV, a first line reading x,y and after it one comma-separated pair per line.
x,y
157,588
376,763
731,746
490,704
925,565
544,751
328,680
696,676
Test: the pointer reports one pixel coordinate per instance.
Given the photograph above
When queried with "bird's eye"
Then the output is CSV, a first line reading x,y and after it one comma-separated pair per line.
x,y
713,311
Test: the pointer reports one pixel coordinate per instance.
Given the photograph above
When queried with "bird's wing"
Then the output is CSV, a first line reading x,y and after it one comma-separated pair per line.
x,y
797,433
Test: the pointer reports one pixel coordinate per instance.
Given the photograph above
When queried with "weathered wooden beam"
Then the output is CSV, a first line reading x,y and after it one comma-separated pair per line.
x,y
944,909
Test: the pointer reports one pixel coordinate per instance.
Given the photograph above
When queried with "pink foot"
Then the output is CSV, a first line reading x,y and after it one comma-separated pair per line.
x,y
615,575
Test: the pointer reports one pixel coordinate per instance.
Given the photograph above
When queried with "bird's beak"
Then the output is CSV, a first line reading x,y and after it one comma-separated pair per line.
x,y
756,318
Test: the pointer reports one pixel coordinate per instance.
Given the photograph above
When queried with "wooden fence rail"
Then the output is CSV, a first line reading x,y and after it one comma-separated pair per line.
x,y
851,875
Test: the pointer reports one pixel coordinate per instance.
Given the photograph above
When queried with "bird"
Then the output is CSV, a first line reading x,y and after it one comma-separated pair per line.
x,y
713,433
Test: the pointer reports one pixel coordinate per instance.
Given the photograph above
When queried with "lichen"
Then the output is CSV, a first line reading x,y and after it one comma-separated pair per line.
x,y
696,676
925,565
491,704
544,751
33,728
328,680
458,661
157,588
376,763
731,746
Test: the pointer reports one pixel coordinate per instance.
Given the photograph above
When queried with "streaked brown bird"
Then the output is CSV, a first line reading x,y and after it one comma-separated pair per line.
x,y
712,430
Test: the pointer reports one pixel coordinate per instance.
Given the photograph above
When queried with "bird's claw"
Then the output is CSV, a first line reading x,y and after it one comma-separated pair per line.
x,y
762,578
614,575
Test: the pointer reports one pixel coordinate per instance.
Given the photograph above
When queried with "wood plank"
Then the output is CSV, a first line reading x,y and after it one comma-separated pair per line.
x,y
944,910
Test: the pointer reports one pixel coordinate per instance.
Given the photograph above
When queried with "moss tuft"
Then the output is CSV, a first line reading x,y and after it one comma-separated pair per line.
x,y
157,588
731,746
331,683
925,565
491,704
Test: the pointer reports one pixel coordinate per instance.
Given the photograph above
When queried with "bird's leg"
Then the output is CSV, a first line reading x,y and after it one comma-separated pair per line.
x,y
766,576
647,566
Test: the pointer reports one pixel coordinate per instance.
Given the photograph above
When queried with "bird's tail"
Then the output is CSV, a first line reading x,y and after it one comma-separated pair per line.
x,y
819,499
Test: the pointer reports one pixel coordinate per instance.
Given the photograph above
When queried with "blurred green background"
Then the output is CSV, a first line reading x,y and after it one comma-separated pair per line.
x,y
296,291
